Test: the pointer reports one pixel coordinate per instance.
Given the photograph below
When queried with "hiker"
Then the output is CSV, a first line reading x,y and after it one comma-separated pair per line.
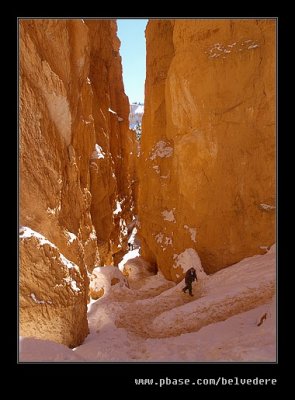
x,y
190,276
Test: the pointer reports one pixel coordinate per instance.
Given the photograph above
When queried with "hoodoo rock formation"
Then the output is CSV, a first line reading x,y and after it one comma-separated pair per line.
x,y
76,165
207,162
197,189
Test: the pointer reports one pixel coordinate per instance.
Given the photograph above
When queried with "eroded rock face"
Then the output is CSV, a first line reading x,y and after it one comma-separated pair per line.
x,y
75,166
207,164
52,292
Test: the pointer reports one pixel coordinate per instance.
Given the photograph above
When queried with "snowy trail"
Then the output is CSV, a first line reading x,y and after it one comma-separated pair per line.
x,y
138,317
162,310
153,320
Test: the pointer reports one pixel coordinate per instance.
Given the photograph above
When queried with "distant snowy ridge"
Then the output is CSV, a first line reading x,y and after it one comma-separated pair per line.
x,y
135,115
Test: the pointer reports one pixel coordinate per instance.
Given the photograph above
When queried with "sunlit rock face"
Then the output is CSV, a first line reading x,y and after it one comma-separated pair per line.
x,y
207,162
76,155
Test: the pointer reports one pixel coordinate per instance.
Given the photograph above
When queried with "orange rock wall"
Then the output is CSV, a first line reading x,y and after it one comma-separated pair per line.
x,y
75,166
207,164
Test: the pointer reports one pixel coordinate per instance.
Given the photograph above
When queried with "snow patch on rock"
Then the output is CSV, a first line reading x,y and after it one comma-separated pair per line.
x,y
168,216
192,231
162,150
188,259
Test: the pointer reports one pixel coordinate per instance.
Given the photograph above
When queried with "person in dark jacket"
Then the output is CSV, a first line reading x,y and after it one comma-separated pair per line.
x,y
190,276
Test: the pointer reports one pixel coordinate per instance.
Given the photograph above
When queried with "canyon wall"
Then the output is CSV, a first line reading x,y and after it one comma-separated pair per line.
x,y
75,164
207,162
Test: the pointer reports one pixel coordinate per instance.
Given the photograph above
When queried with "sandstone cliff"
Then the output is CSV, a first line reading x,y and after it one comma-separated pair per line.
x,y
207,164
75,169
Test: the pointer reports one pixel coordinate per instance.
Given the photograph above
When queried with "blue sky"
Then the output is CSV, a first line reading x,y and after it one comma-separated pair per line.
x,y
133,50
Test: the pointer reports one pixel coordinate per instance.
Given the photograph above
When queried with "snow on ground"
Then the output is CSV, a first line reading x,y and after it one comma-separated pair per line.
x,y
31,349
233,290
157,322
128,256
135,267
102,279
236,339
132,265
230,318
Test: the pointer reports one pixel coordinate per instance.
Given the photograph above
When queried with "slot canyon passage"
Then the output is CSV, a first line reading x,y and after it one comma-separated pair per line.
x,y
197,190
